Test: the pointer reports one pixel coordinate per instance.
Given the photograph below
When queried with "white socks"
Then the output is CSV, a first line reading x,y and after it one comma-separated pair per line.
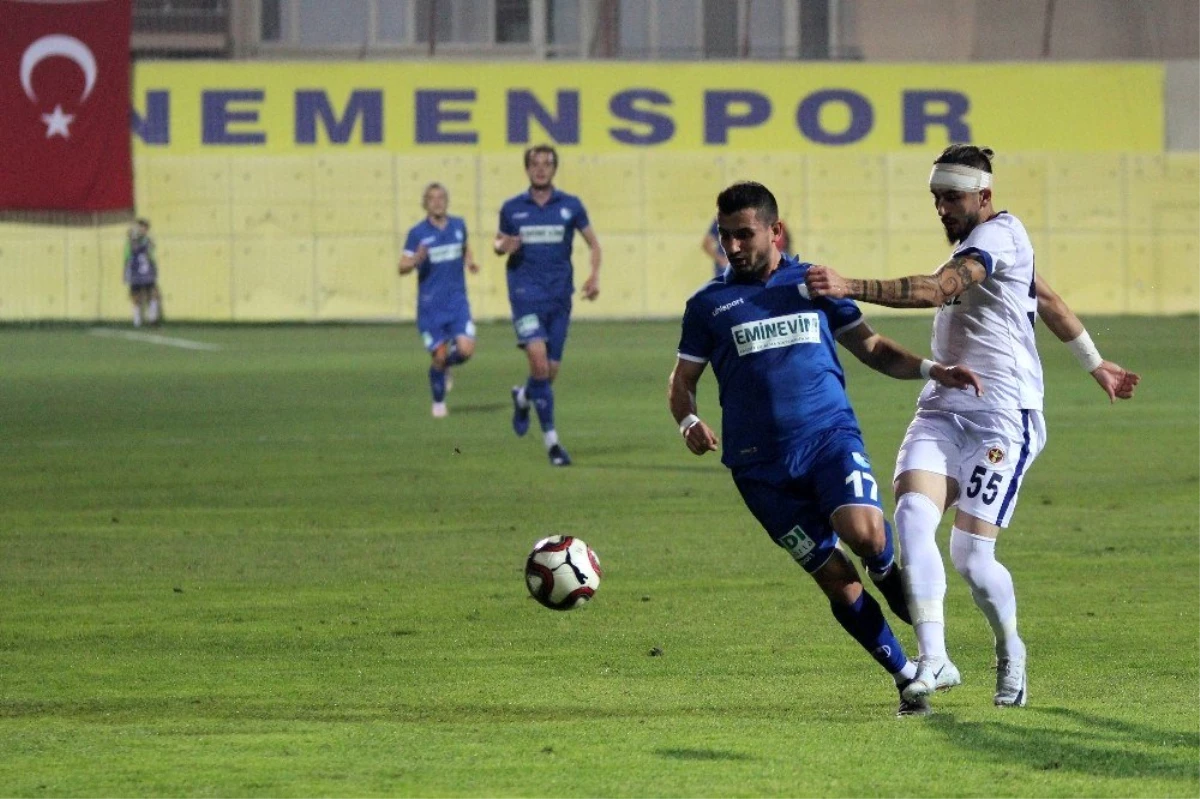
x,y
137,316
917,519
152,312
992,587
550,438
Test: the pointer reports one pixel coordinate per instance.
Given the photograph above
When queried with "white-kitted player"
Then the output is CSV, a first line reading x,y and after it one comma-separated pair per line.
x,y
965,450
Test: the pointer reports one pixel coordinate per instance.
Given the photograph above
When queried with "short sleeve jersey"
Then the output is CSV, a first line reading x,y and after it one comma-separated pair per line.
x,y
779,379
540,272
989,327
442,286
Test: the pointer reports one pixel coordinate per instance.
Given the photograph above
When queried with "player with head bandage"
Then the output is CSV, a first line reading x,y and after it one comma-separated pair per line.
x,y
973,451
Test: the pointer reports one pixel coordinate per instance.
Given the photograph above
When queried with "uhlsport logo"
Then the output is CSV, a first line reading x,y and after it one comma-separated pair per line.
x,y
778,331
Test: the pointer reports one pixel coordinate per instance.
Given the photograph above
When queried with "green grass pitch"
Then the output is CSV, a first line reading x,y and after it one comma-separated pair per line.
x,y
264,570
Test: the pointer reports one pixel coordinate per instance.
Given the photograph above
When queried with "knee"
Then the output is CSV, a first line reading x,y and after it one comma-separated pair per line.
x,y
972,555
862,531
466,348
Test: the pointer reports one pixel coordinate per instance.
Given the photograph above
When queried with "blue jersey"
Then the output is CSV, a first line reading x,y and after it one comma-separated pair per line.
x,y
540,272
773,352
441,285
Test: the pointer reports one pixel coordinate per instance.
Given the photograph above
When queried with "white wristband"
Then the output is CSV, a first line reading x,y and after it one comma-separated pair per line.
x,y
1085,352
687,423
927,368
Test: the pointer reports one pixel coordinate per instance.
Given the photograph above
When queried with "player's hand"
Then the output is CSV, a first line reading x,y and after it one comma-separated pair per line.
x,y
591,288
959,377
1118,383
505,244
823,281
473,268
700,438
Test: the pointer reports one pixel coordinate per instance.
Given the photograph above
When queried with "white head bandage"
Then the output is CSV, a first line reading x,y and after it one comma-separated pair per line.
x,y
959,177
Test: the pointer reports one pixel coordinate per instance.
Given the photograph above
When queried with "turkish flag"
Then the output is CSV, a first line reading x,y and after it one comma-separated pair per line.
x,y
64,102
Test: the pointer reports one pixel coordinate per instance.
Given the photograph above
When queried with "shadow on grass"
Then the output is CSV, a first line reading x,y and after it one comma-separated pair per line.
x,y
700,754
1051,738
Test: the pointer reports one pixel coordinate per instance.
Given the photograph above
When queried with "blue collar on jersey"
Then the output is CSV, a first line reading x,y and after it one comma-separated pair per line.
x,y
555,196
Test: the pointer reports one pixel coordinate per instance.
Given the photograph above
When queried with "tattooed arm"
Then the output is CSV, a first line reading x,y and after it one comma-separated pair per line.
x,y
916,291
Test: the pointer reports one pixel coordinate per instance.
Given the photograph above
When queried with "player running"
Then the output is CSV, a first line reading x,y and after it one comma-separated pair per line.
x,y
437,248
791,439
537,228
968,451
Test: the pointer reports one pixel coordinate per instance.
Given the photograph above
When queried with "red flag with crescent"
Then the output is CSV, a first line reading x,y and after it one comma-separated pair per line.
x,y
64,101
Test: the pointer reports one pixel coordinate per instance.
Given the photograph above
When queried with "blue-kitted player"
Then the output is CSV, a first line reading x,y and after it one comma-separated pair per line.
x,y
438,250
536,231
791,439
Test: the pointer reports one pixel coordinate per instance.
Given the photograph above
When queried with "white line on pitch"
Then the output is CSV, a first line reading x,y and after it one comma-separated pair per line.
x,y
152,338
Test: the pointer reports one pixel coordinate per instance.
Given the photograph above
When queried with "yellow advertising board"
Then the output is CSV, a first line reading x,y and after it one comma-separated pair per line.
x,y
291,108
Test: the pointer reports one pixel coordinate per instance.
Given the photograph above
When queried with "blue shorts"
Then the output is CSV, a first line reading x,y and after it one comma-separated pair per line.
x,y
548,325
436,330
794,497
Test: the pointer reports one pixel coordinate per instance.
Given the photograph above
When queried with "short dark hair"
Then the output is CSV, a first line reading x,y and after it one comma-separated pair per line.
x,y
144,222
748,194
541,148
967,155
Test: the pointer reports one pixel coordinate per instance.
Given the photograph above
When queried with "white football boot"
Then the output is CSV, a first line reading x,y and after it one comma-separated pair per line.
x,y
933,674
440,411
1011,683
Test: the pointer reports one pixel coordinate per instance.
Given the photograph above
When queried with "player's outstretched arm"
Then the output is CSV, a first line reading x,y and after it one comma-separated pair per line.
x,y
915,291
889,358
681,398
1116,381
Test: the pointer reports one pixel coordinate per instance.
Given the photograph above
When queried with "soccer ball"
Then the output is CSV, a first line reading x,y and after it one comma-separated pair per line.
x,y
562,572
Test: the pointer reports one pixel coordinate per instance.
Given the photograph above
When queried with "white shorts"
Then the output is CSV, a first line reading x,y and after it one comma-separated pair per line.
x,y
987,452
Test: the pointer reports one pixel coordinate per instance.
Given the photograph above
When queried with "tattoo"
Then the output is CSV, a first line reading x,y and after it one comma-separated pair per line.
x,y
955,277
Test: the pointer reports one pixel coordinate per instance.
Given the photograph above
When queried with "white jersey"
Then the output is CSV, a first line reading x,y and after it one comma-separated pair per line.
x,y
989,327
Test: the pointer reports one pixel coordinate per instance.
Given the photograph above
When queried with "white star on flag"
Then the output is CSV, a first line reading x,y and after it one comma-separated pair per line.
x,y
56,123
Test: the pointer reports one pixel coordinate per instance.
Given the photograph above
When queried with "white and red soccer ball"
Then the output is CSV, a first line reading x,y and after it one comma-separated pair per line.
x,y
562,572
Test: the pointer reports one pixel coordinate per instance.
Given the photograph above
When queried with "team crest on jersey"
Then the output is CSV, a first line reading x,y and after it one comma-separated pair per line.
x,y
995,455
861,460
566,214
458,235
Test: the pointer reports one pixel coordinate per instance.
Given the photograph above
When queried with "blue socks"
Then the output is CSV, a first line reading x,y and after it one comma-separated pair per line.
x,y
437,384
879,564
539,394
865,623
